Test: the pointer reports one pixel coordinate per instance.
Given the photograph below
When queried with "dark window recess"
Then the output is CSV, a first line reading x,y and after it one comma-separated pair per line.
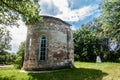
x,y
42,49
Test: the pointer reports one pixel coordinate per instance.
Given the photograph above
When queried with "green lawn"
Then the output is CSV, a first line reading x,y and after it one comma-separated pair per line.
x,y
83,71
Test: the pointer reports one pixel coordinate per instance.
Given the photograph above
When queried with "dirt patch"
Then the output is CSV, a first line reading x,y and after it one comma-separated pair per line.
x,y
9,66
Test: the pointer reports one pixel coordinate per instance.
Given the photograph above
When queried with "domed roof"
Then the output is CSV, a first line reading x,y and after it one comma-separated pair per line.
x,y
51,17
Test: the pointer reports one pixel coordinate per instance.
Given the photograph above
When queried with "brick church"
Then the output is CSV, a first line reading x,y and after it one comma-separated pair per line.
x,y
49,45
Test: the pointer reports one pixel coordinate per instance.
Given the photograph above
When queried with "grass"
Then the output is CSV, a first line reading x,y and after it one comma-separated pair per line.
x,y
111,69
83,71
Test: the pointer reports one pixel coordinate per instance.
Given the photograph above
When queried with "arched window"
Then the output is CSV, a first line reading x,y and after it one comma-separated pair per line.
x,y
42,49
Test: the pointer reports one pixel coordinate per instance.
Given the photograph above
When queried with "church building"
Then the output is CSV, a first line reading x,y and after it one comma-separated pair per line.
x,y
49,45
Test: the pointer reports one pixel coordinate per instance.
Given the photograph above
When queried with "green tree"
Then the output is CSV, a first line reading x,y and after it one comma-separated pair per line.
x,y
7,58
20,55
10,10
89,41
13,10
96,37
4,39
111,19
84,44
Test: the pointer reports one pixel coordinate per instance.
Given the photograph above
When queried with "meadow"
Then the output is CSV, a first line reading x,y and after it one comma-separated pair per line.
x,y
82,71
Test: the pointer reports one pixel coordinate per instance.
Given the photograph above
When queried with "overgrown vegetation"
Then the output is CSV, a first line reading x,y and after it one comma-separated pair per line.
x,y
83,71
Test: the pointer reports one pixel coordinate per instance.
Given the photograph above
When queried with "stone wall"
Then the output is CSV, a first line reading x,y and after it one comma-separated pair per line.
x,y
60,50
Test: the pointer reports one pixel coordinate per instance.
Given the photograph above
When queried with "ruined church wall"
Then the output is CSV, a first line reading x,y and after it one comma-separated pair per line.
x,y
60,51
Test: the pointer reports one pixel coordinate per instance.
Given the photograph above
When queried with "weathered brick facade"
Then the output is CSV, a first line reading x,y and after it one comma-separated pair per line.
x,y
59,50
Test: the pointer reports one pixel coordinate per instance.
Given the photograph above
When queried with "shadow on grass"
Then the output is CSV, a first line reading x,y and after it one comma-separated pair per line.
x,y
8,78
70,74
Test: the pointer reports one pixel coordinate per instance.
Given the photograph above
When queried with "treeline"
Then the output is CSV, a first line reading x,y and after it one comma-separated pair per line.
x,y
11,58
7,58
100,37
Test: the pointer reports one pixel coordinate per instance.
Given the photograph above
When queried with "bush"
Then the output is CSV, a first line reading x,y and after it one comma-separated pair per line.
x,y
18,62
76,57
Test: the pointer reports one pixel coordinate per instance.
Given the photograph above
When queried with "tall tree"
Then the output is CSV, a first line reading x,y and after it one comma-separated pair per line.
x,y
4,39
86,45
13,10
10,10
111,19
90,42
96,36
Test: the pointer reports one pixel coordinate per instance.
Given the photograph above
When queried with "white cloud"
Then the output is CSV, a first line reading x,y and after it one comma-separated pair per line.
x,y
78,14
63,10
48,7
73,28
18,35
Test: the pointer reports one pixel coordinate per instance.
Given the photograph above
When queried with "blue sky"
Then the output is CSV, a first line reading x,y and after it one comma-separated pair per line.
x,y
75,12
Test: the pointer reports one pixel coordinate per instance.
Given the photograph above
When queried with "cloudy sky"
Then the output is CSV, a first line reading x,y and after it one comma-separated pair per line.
x,y
75,12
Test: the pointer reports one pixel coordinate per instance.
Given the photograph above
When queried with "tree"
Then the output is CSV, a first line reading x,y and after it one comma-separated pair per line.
x,y
4,39
85,44
10,10
13,10
89,41
95,37
20,55
7,58
111,19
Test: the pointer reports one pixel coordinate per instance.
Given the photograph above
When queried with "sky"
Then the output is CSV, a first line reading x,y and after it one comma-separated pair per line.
x,y
75,12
